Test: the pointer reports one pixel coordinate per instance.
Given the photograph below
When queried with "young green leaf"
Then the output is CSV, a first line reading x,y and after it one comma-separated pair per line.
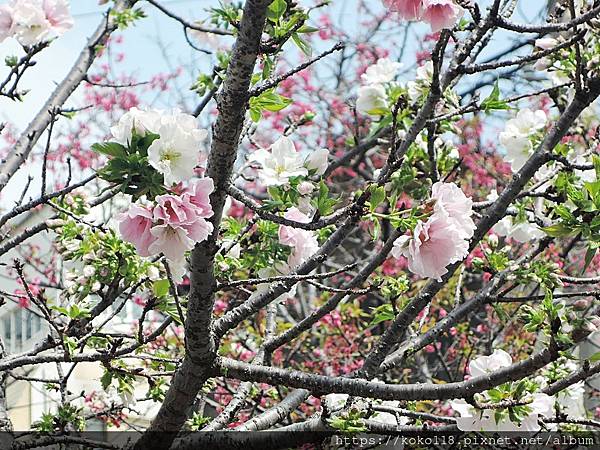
x,y
160,288
276,10
111,149
493,102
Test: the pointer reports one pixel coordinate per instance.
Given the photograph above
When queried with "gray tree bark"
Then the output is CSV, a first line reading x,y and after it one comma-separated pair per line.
x,y
199,339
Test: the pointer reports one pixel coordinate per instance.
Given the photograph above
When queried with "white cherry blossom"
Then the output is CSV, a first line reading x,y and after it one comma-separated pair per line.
x,y
421,82
517,135
484,365
546,43
384,71
280,164
473,419
318,161
138,120
371,99
175,153
520,231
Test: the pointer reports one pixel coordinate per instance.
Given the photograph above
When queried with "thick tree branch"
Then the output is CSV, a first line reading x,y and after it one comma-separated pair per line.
x,y
199,343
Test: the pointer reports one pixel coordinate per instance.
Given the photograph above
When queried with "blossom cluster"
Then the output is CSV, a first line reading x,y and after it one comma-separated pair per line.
x,y
518,134
173,224
474,419
283,162
518,228
444,238
176,149
32,22
372,95
303,242
439,14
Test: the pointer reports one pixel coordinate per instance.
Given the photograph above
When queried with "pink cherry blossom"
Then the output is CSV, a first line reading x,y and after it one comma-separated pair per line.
x,y
175,210
406,9
198,193
434,245
199,230
441,14
57,13
289,235
303,242
35,21
451,199
29,22
6,22
135,227
184,220
172,241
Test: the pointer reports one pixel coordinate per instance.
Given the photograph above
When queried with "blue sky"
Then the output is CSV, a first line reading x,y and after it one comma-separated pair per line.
x,y
141,42
143,52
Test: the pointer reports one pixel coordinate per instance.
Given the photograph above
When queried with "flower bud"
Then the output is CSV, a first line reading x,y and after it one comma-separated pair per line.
x,y
492,241
589,327
88,257
546,43
309,115
305,188
55,223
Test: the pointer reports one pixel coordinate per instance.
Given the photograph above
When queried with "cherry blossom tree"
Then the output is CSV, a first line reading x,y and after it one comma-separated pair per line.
x,y
389,229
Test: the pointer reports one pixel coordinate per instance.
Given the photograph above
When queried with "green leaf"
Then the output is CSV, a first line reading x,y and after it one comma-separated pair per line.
x,y
11,61
111,149
323,202
493,102
276,10
595,357
61,309
268,100
596,162
501,313
143,143
302,44
106,379
307,29
160,288
271,101
124,18
589,256
267,67
558,230
377,197
382,313
255,114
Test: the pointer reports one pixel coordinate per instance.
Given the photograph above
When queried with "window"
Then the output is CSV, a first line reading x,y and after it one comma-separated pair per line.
x,y
19,328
